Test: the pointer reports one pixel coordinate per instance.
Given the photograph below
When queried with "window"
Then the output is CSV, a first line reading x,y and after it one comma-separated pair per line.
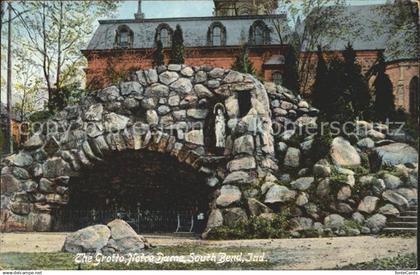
x,y
164,34
277,78
244,100
216,35
124,37
259,33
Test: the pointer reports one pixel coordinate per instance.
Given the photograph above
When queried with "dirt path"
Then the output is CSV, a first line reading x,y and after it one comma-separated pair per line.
x,y
286,253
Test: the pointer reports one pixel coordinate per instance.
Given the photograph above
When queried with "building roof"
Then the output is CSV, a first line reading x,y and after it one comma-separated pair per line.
x,y
371,28
194,30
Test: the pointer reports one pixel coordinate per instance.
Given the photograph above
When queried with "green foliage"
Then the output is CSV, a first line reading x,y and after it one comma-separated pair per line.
x,y
40,116
321,144
319,93
242,63
355,83
290,75
67,95
383,89
177,50
158,57
254,228
406,261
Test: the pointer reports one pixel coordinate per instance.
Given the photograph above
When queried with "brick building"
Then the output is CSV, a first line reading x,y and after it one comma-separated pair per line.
x,y
121,46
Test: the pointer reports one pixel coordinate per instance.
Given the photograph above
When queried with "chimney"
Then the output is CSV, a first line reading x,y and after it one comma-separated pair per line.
x,y
139,15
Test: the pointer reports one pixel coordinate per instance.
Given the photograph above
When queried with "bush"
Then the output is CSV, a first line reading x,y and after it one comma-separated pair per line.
x,y
254,228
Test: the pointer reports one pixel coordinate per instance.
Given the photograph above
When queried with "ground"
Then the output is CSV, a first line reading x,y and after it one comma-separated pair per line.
x,y
23,250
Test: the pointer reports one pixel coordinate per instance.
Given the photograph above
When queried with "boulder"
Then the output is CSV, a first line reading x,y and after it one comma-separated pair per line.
x,y
244,144
344,193
302,184
279,193
55,167
301,223
389,210
357,217
90,239
366,143
334,221
292,157
202,91
376,223
229,194
21,159
124,239
396,153
321,171
395,198
182,85
244,163
168,77
215,218
256,207
368,204
302,199
409,193
343,153
237,177
233,216
391,181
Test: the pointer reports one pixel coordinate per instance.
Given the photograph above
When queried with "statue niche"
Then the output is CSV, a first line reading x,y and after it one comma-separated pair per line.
x,y
215,129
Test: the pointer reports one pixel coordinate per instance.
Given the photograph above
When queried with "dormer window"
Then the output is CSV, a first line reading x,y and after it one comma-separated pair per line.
x,y
259,33
216,35
124,37
164,34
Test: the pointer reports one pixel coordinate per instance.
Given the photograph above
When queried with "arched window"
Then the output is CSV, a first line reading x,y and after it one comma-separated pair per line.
x,y
277,78
414,96
216,35
164,34
259,33
124,37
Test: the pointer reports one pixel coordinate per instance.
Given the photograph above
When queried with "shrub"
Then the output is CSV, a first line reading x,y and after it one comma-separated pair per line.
x,y
254,228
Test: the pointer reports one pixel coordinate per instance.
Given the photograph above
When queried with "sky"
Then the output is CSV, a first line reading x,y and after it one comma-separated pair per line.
x,y
175,8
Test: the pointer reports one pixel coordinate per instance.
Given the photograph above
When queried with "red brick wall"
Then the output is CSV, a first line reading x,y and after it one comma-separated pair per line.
x,y
107,66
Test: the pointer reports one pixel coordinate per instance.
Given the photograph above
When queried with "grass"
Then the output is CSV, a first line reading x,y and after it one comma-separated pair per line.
x,y
66,261
406,261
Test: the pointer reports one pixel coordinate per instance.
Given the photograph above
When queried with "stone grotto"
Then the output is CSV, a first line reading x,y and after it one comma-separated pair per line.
x,y
179,138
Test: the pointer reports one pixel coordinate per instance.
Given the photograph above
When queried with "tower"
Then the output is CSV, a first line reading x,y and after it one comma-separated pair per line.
x,y
244,7
139,14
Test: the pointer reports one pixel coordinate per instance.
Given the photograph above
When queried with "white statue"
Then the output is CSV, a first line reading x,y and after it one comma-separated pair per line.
x,y
220,126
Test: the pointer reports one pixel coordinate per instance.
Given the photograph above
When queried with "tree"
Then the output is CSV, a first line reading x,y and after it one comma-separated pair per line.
x,y
53,32
177,50
383,89
311,23
242,63
319,93
355,84
290,75
158,57
338,104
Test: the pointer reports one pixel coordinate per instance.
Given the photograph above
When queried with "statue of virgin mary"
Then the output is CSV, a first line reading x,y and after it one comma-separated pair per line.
x,y
220,125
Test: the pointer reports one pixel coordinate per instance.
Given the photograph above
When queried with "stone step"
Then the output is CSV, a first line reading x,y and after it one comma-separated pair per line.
x,y
400,230
402,224
409,213
404,219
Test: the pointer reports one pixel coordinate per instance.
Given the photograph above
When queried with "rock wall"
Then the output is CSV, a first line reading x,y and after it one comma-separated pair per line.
x,y
266,166
166,109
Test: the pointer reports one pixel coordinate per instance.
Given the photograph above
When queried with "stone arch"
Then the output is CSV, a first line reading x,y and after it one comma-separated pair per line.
x,y
164,111
414,96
